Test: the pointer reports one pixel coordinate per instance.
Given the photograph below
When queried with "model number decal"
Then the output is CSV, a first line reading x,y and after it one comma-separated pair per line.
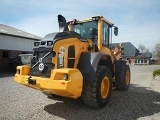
x,y
60,60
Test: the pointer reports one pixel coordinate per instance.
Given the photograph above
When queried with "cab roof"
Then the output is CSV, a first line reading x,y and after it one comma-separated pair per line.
x,y
100,17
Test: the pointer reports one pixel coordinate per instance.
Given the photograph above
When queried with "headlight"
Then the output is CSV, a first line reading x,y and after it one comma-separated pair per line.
x,y
36,44
49,43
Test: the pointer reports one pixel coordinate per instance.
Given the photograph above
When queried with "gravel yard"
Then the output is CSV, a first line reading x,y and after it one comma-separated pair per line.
x,y
141,102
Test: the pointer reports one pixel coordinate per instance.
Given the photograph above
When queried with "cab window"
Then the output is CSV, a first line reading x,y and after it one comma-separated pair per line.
x,y
84,28
105,36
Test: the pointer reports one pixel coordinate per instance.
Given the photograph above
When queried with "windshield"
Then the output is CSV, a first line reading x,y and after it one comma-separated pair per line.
x,y
83,28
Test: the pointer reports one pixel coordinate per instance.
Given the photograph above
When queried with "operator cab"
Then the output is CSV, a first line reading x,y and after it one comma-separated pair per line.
x,y
84,28
103,26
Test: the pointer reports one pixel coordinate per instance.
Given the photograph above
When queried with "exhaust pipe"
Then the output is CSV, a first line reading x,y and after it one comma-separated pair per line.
x,y
63,26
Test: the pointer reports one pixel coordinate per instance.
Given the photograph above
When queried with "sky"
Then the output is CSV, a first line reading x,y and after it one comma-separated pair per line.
x,y
138,21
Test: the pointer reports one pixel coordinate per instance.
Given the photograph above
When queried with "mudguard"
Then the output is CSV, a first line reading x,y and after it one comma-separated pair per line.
x,y
88,64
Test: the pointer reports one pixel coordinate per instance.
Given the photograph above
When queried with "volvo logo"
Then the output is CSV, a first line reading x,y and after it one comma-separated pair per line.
x,y
62,50
41,67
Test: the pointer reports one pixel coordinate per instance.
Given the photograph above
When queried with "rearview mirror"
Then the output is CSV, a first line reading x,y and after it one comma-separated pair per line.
x,y
116,31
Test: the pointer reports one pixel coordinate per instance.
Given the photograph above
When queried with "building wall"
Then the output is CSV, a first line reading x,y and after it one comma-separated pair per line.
x,y
15,43
7,56
11,47
142,61
139,61
156,62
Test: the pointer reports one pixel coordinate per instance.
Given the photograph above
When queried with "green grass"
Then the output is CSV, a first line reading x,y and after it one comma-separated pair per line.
x,y
156,73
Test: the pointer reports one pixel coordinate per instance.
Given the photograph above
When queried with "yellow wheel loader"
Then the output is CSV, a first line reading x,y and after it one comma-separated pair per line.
x,y
76,62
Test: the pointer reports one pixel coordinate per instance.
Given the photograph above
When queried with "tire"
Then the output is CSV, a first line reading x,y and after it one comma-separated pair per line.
x,y
122,81
97,93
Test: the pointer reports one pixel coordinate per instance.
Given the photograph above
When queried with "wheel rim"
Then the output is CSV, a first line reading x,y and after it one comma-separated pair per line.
x,y
105,87
127,77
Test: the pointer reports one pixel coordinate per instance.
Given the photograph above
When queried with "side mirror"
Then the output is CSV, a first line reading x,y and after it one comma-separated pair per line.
x,y
116,31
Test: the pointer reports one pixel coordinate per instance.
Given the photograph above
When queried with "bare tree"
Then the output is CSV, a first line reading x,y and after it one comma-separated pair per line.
x,y
157,50
142,48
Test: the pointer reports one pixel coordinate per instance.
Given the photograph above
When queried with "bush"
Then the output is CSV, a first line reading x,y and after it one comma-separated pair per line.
x,y
156,73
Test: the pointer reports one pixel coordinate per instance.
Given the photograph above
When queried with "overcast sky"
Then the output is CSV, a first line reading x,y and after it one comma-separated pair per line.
x,y
138,20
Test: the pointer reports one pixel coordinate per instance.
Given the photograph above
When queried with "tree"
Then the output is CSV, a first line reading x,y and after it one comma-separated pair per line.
x,y
157,50
142,48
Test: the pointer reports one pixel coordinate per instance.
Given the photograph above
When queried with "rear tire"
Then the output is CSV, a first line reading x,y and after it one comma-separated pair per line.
x,y
97,93
123,79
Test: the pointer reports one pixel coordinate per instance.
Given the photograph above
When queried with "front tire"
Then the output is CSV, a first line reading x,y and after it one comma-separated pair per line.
x,y
97,93
123,79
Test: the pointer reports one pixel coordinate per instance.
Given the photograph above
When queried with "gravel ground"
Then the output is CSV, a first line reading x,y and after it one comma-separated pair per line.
x,y
141,102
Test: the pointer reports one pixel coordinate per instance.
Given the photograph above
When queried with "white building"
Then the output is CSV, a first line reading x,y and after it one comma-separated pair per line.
x,y
12,43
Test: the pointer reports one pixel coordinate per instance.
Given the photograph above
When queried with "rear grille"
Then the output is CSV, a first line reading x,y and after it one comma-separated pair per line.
x,y
39,53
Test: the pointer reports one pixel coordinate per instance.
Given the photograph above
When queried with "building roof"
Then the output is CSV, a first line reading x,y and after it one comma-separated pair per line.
x,y
144,55
7,30
129,49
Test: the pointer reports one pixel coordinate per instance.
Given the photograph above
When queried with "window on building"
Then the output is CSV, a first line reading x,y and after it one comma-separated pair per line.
x,y
135,60
142,61
145,61
5,54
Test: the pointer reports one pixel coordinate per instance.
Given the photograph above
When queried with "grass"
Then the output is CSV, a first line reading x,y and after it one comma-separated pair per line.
x,y
156,73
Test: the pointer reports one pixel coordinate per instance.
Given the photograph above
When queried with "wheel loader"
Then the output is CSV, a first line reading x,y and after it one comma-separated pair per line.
x,y
77,62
